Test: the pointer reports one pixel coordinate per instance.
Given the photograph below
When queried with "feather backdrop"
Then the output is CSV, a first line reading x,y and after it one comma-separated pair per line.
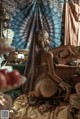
x,y
28,16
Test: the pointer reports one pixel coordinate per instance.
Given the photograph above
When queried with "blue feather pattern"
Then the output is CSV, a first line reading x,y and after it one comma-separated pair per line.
x,y
30,16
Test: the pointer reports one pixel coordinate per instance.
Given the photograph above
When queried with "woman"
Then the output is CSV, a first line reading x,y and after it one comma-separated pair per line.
x,y
47,82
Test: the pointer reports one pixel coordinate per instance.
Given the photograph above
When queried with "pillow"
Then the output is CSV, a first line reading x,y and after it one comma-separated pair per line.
x,y
64,54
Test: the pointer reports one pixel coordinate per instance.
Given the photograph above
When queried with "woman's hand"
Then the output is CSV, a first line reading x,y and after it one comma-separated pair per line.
x,y
64,85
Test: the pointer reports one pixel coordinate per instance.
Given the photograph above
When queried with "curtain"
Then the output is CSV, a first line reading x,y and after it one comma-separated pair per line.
x,y
29,16
72,23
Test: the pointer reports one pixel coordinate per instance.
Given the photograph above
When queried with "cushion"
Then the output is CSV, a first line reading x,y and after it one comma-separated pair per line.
x,y
64,54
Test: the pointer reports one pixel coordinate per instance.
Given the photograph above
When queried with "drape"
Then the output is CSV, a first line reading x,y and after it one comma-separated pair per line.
x,y
72,23
30,71
29,16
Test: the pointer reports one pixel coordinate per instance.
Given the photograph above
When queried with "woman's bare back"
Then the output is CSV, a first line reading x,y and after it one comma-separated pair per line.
x,y
44,85
47,80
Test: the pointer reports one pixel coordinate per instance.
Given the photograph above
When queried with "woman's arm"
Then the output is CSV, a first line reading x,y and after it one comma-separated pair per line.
x,y
51,72
53,75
